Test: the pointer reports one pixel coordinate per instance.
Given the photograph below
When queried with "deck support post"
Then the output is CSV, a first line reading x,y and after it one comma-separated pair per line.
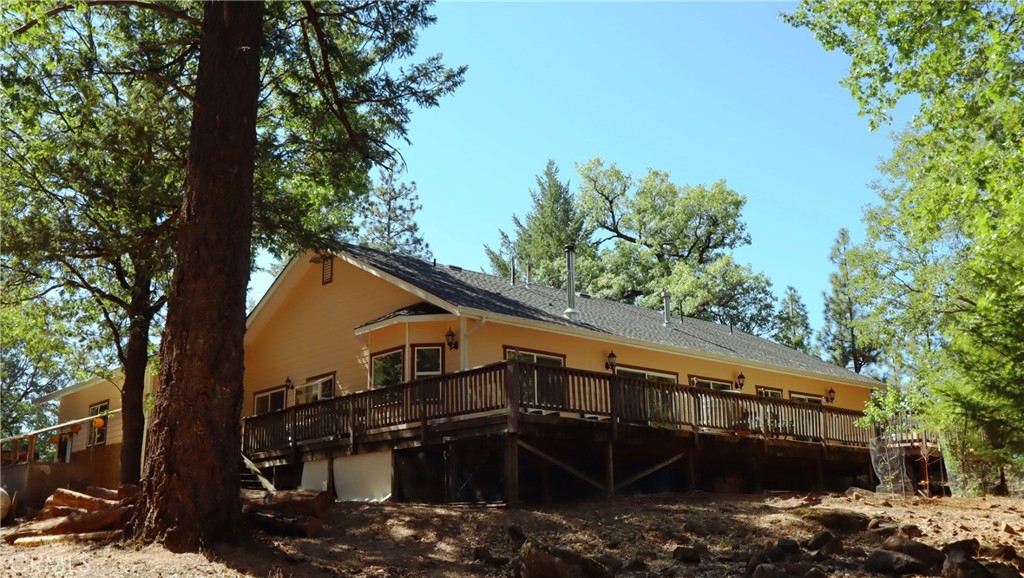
x,y
691,466
511,469
611,468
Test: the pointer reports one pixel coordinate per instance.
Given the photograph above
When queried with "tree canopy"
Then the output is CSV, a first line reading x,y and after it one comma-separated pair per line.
x,y
946,241
302,136
388,217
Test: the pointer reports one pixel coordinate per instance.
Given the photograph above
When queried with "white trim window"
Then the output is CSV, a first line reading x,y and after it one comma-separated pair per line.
x,y
428,361
645,374
387,368
269,401
659,400
535,388
769,392
711,383
803,398
315,390
98,435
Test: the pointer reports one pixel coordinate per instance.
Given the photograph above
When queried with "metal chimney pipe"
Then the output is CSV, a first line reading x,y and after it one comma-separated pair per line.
x,y
571,312
529,273
666,298
512,278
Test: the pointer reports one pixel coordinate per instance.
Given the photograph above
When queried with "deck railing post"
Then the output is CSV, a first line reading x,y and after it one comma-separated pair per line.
x,y
614,404
512,393
423,412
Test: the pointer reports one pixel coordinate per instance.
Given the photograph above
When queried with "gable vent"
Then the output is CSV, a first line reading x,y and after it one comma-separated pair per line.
x,y
327,271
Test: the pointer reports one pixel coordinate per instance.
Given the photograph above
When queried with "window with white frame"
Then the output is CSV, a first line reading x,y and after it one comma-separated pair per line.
x,y
645,374
386,368
536,386
659,401
315,390
769,392
804,398
268,401
98,435
428,360
709,383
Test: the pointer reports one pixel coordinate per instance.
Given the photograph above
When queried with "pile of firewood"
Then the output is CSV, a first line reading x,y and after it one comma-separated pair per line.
x,y
99,514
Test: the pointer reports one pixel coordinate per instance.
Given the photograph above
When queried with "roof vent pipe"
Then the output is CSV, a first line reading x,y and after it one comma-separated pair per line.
x,y
571,312
666,298
512,278
529,273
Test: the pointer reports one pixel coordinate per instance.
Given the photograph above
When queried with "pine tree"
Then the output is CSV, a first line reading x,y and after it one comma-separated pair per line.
x,y
839,339
389,218
793,329
553,222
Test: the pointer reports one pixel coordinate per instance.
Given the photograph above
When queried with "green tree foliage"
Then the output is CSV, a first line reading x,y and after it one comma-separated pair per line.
x,y
388,219
793,328
93,166
553,222
36,360
948,245
319,90
840,339
655,235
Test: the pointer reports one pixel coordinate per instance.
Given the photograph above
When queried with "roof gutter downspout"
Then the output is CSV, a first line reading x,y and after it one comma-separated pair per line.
x,y
464,335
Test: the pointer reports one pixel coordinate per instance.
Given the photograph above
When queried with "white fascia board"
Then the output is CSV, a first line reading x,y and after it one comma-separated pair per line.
x,y
53,396
613,339
403,319
428,297
278,281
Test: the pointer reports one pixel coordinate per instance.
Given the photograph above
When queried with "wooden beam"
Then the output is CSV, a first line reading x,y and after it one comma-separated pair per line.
x,y
541,454
650,470
511,469
611,469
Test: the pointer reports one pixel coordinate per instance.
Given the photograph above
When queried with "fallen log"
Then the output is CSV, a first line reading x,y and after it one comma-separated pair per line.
x,y
282,523
104,536
95,521
72,499
303,502
98,492
126,491
52,511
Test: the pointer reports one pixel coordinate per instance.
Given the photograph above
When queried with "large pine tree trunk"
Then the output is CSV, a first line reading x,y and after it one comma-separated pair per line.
x,y
190,485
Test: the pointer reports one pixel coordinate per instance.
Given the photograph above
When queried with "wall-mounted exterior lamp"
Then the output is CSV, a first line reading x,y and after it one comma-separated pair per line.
x,y
449,338
740,380
288,383
830,396
610,363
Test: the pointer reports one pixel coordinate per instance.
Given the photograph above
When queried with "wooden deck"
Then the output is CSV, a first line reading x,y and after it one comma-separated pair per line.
x,y
497,398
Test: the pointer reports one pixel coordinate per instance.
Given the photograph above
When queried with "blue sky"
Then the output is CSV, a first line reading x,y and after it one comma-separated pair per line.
x,y
707,91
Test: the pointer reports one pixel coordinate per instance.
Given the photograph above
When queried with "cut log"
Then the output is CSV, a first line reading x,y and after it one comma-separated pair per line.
x,y
98,492
109,519
69,538
125,491
282,523
52,511
303,502
72,499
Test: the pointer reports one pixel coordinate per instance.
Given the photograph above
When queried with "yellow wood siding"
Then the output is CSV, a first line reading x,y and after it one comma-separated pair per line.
x,y
311,331
76,405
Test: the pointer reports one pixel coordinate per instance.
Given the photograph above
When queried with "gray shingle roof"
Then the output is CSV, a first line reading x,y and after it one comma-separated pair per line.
x,y
481,291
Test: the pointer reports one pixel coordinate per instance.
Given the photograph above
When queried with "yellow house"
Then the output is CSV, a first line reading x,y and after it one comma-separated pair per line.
x,y
86,440
383,375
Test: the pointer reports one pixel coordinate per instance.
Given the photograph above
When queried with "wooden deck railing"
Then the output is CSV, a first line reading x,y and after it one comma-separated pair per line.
x,y
545,389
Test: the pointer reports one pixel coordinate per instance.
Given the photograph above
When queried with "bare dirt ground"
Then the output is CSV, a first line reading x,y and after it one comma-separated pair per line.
x,y
641,534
